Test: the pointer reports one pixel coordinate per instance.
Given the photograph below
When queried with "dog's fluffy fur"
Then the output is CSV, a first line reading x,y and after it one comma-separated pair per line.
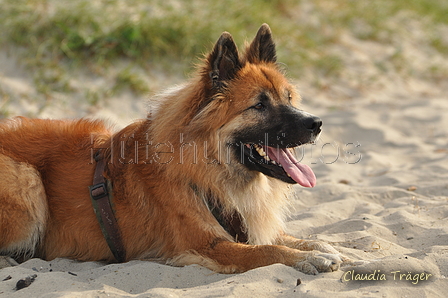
x,y
189,156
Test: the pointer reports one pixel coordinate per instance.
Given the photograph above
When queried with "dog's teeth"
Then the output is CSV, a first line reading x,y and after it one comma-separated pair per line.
x,y
288,175
260,151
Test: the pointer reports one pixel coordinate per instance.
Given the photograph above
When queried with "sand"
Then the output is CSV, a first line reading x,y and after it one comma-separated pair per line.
x,y
381,196
385,201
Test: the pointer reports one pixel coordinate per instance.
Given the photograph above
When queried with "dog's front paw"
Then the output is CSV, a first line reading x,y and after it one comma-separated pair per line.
x,y
316,262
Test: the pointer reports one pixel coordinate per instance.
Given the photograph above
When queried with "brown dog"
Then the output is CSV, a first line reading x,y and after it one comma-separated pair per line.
x,y
203,180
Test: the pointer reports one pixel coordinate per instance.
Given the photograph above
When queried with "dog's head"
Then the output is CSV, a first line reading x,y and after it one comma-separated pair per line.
x,y
255,109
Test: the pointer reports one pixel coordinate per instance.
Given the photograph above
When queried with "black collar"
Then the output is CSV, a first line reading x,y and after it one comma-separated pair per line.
x,y
231,222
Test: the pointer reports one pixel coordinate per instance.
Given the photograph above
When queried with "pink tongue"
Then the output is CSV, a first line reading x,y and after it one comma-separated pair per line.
x,y
300,173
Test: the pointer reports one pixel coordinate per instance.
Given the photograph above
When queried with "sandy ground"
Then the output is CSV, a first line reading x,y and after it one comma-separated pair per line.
x,y
382,194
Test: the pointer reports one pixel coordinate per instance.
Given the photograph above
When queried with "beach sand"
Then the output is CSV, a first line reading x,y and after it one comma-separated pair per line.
x,y
381,196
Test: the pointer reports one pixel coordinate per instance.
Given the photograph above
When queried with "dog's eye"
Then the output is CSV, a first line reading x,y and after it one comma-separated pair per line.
x,y
259,106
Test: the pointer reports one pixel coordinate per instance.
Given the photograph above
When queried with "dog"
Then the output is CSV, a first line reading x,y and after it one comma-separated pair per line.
x,y
204,179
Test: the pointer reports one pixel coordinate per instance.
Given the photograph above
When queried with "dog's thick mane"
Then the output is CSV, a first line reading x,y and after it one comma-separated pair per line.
x,y
261,205
201,134
261,201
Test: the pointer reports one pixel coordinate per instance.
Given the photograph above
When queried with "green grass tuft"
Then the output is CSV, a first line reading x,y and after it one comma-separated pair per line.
x,y
132,80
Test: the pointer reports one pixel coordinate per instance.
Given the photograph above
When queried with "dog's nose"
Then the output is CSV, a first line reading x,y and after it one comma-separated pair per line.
x,y
313,124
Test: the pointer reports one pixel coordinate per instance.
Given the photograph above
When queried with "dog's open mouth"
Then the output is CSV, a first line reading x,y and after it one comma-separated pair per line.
x,y
279,163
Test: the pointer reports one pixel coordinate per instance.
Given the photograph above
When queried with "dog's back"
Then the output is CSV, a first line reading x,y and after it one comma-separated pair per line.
x,y
42,162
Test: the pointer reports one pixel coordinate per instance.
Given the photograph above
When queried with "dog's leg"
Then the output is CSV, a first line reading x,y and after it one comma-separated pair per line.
x,y
306,245
23,207
229,257
310,245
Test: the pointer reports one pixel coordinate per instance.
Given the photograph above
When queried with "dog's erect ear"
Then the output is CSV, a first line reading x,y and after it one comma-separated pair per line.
x,y
224,60
262,48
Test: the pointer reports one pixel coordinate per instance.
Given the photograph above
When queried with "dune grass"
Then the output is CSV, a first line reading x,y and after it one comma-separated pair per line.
x,y
58,35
